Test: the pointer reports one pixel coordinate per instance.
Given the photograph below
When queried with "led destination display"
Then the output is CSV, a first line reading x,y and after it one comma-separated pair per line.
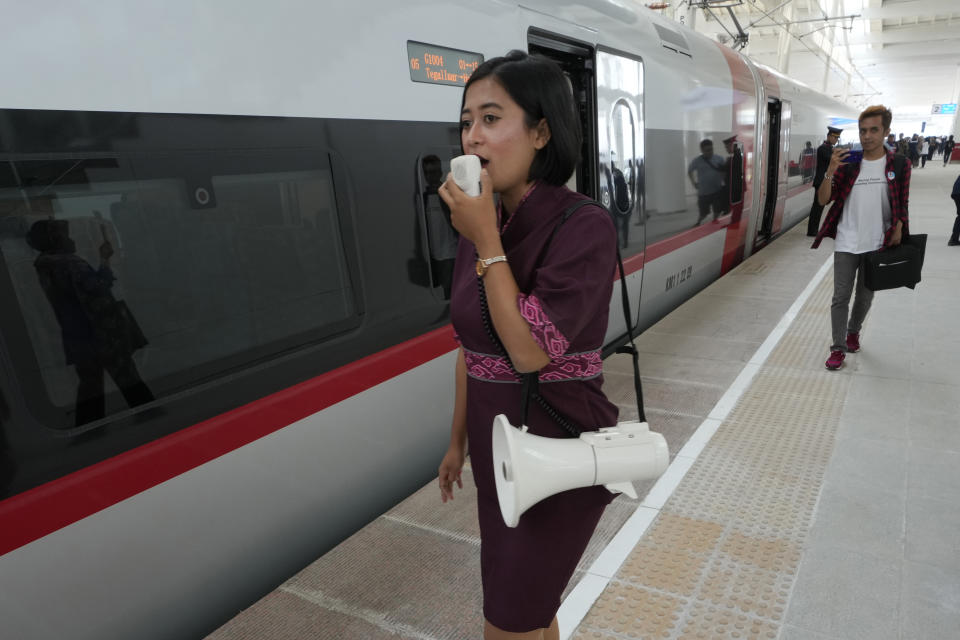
x,y
440,65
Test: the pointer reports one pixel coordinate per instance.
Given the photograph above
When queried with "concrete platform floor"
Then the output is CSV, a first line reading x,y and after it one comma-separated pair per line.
x,y
800,503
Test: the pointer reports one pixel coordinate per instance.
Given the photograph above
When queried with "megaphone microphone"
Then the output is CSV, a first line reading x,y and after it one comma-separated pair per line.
x,y
529,468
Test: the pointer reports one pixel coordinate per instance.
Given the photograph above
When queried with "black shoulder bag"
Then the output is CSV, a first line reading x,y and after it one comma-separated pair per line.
x,y
898,266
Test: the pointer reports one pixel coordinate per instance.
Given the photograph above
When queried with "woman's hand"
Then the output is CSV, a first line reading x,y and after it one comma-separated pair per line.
x,y
450,468
475,218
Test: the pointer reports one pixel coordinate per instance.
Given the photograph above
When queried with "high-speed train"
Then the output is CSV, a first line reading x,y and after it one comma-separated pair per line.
x,y
263,178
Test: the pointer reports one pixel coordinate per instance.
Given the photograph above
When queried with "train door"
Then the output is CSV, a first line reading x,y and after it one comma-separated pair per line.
x,y
620,154
779,116
576,60
765,228
608,89
783,168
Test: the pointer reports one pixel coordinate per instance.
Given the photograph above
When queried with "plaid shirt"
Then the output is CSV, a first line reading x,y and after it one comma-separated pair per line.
x,y
843,181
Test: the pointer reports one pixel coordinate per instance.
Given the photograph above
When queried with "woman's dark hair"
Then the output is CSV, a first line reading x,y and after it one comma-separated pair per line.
x,y
538,85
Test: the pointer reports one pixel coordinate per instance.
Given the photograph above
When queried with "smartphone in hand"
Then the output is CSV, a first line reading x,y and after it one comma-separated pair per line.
x,y
856,154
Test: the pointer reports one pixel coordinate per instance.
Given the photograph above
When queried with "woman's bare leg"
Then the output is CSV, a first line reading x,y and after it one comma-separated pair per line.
x,y
491,632
553,631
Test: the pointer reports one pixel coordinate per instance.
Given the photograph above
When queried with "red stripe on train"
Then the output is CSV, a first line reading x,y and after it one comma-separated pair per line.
x,y
61,502
42,510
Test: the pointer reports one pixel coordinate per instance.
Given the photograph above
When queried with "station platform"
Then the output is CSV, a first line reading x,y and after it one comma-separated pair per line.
x,y
800,503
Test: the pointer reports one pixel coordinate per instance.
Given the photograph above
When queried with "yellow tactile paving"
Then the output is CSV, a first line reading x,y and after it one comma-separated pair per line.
x,y
624,608
722,556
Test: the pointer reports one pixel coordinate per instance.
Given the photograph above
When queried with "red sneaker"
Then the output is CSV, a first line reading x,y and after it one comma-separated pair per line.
x,y
835,361
853,342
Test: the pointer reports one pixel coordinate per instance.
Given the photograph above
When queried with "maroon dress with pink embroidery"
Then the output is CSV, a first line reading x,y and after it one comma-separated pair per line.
x,y
565,291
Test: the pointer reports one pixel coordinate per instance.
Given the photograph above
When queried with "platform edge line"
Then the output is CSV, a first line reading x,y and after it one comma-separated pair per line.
x,y
578,603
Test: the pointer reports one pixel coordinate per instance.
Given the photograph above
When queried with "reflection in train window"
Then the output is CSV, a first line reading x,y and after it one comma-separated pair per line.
x,y
219,259
621,157
436,239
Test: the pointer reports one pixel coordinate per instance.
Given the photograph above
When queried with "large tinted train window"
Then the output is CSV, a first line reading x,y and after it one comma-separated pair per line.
x,y
140,272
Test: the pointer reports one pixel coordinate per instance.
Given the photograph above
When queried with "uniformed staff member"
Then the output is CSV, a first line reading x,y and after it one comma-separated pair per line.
x,y
824,151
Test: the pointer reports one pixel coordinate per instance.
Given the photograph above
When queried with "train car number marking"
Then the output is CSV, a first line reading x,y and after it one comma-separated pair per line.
x,y
681,276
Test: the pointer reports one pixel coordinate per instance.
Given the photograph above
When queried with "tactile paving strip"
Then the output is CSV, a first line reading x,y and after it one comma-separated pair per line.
x,y
722,556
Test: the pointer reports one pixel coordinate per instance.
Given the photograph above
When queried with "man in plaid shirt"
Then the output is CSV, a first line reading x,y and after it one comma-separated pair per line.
x,y
869,212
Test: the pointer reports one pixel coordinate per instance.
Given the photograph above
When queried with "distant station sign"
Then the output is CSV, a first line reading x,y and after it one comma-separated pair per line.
x,y
945,109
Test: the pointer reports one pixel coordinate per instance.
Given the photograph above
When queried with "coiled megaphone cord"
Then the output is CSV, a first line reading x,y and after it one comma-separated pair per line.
x,y
530,381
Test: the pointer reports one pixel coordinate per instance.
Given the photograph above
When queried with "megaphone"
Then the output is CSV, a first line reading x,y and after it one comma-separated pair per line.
x,y
529,468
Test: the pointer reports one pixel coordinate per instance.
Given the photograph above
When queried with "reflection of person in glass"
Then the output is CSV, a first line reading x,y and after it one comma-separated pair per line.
x,y
710,171
808,162
734,176
98,332
621,203
440,234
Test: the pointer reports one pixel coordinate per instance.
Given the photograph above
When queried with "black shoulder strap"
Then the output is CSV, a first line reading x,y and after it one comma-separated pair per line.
x,y
628,348
530,381
569,211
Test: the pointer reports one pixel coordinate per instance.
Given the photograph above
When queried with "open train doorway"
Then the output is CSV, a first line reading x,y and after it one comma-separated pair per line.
x,y
577,62
608,91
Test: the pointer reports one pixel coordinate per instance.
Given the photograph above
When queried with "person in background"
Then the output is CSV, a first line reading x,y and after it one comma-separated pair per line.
x,y
824,152
869,212
924,152
955,194
913,150
947,150
903,146
735,183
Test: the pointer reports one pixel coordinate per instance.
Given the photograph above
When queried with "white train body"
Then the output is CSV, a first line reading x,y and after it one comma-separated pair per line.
x,y
271,440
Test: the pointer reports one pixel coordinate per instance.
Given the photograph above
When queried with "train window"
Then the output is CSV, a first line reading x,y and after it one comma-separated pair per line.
x,y
138,274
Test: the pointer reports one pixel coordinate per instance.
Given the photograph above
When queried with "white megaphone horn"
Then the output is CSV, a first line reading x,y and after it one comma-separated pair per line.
x,y
528,468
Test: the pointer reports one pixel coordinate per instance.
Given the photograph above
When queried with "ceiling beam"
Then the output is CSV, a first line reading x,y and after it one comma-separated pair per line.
x,y
917,8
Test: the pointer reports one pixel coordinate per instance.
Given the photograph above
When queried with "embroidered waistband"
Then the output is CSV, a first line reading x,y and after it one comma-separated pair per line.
x,y
570,366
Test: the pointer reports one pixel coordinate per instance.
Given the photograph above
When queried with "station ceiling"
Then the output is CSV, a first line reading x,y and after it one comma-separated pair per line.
x,y
894,52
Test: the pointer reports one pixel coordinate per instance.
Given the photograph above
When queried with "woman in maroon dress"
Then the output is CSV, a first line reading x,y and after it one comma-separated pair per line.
x,y
548,304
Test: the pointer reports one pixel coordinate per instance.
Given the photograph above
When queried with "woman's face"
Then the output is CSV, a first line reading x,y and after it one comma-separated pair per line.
x,y
493,127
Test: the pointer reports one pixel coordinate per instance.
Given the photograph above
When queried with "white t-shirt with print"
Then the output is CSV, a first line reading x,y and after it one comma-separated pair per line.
x,y
866,213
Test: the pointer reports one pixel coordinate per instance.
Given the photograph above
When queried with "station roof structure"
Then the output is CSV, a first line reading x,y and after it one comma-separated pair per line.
x,y
894,52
